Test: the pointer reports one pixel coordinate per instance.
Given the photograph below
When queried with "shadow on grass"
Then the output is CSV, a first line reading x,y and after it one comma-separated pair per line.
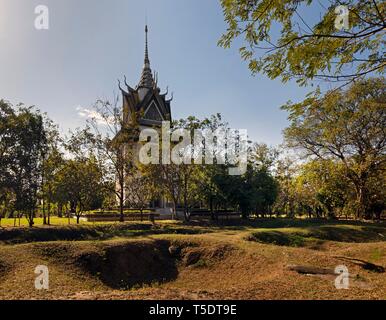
x,y
314,237
344,231
98,232
278,223
278,238
346,234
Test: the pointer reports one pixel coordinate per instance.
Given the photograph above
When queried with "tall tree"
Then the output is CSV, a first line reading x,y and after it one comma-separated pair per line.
x,y
110,140
79,181
140,189
285,172
52,159
53,162
168,180
33,141
347,125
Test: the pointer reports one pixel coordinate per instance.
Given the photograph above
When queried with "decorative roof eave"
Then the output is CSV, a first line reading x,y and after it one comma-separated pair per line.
x,y
128,87
171,98
120,88
163,95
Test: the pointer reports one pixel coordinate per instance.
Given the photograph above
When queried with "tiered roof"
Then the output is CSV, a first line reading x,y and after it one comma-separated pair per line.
x,y
146,102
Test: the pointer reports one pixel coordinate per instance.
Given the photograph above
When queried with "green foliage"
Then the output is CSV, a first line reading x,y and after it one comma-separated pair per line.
x,y
285,176
23,141
297,45
79,182
322,188
349,127
253,192
342,133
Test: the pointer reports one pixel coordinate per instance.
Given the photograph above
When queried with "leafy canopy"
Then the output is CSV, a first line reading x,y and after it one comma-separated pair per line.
x,y
298,39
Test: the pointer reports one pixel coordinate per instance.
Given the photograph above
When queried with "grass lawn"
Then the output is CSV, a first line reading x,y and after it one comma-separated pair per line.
x,y
55,221
199,260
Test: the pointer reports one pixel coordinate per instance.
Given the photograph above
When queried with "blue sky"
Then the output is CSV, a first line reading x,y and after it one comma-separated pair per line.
x,y
92,43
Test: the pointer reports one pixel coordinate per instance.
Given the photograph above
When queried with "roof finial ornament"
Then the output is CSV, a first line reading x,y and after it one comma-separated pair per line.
x,y
119,85
166,93
171,99
147,61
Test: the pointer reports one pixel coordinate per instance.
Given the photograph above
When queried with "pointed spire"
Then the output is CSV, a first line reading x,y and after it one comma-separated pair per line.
x,y
147,80
147,61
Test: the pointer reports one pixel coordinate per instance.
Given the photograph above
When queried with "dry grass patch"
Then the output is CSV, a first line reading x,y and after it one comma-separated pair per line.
x,y
208,262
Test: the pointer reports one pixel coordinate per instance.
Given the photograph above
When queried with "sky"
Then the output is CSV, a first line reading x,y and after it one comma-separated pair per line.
x,y
92,43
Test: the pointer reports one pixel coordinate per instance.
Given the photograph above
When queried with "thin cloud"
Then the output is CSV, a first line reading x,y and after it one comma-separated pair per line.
x,y
94,115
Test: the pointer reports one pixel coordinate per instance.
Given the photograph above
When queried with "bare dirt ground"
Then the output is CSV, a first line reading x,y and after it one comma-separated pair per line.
x,y
200,261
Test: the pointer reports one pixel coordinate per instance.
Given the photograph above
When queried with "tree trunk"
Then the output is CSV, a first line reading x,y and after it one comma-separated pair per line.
x,y
73,206
44,213
186,213
49,213
360,207
211,208
174,211
30,218
121,213
60,210
49,207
